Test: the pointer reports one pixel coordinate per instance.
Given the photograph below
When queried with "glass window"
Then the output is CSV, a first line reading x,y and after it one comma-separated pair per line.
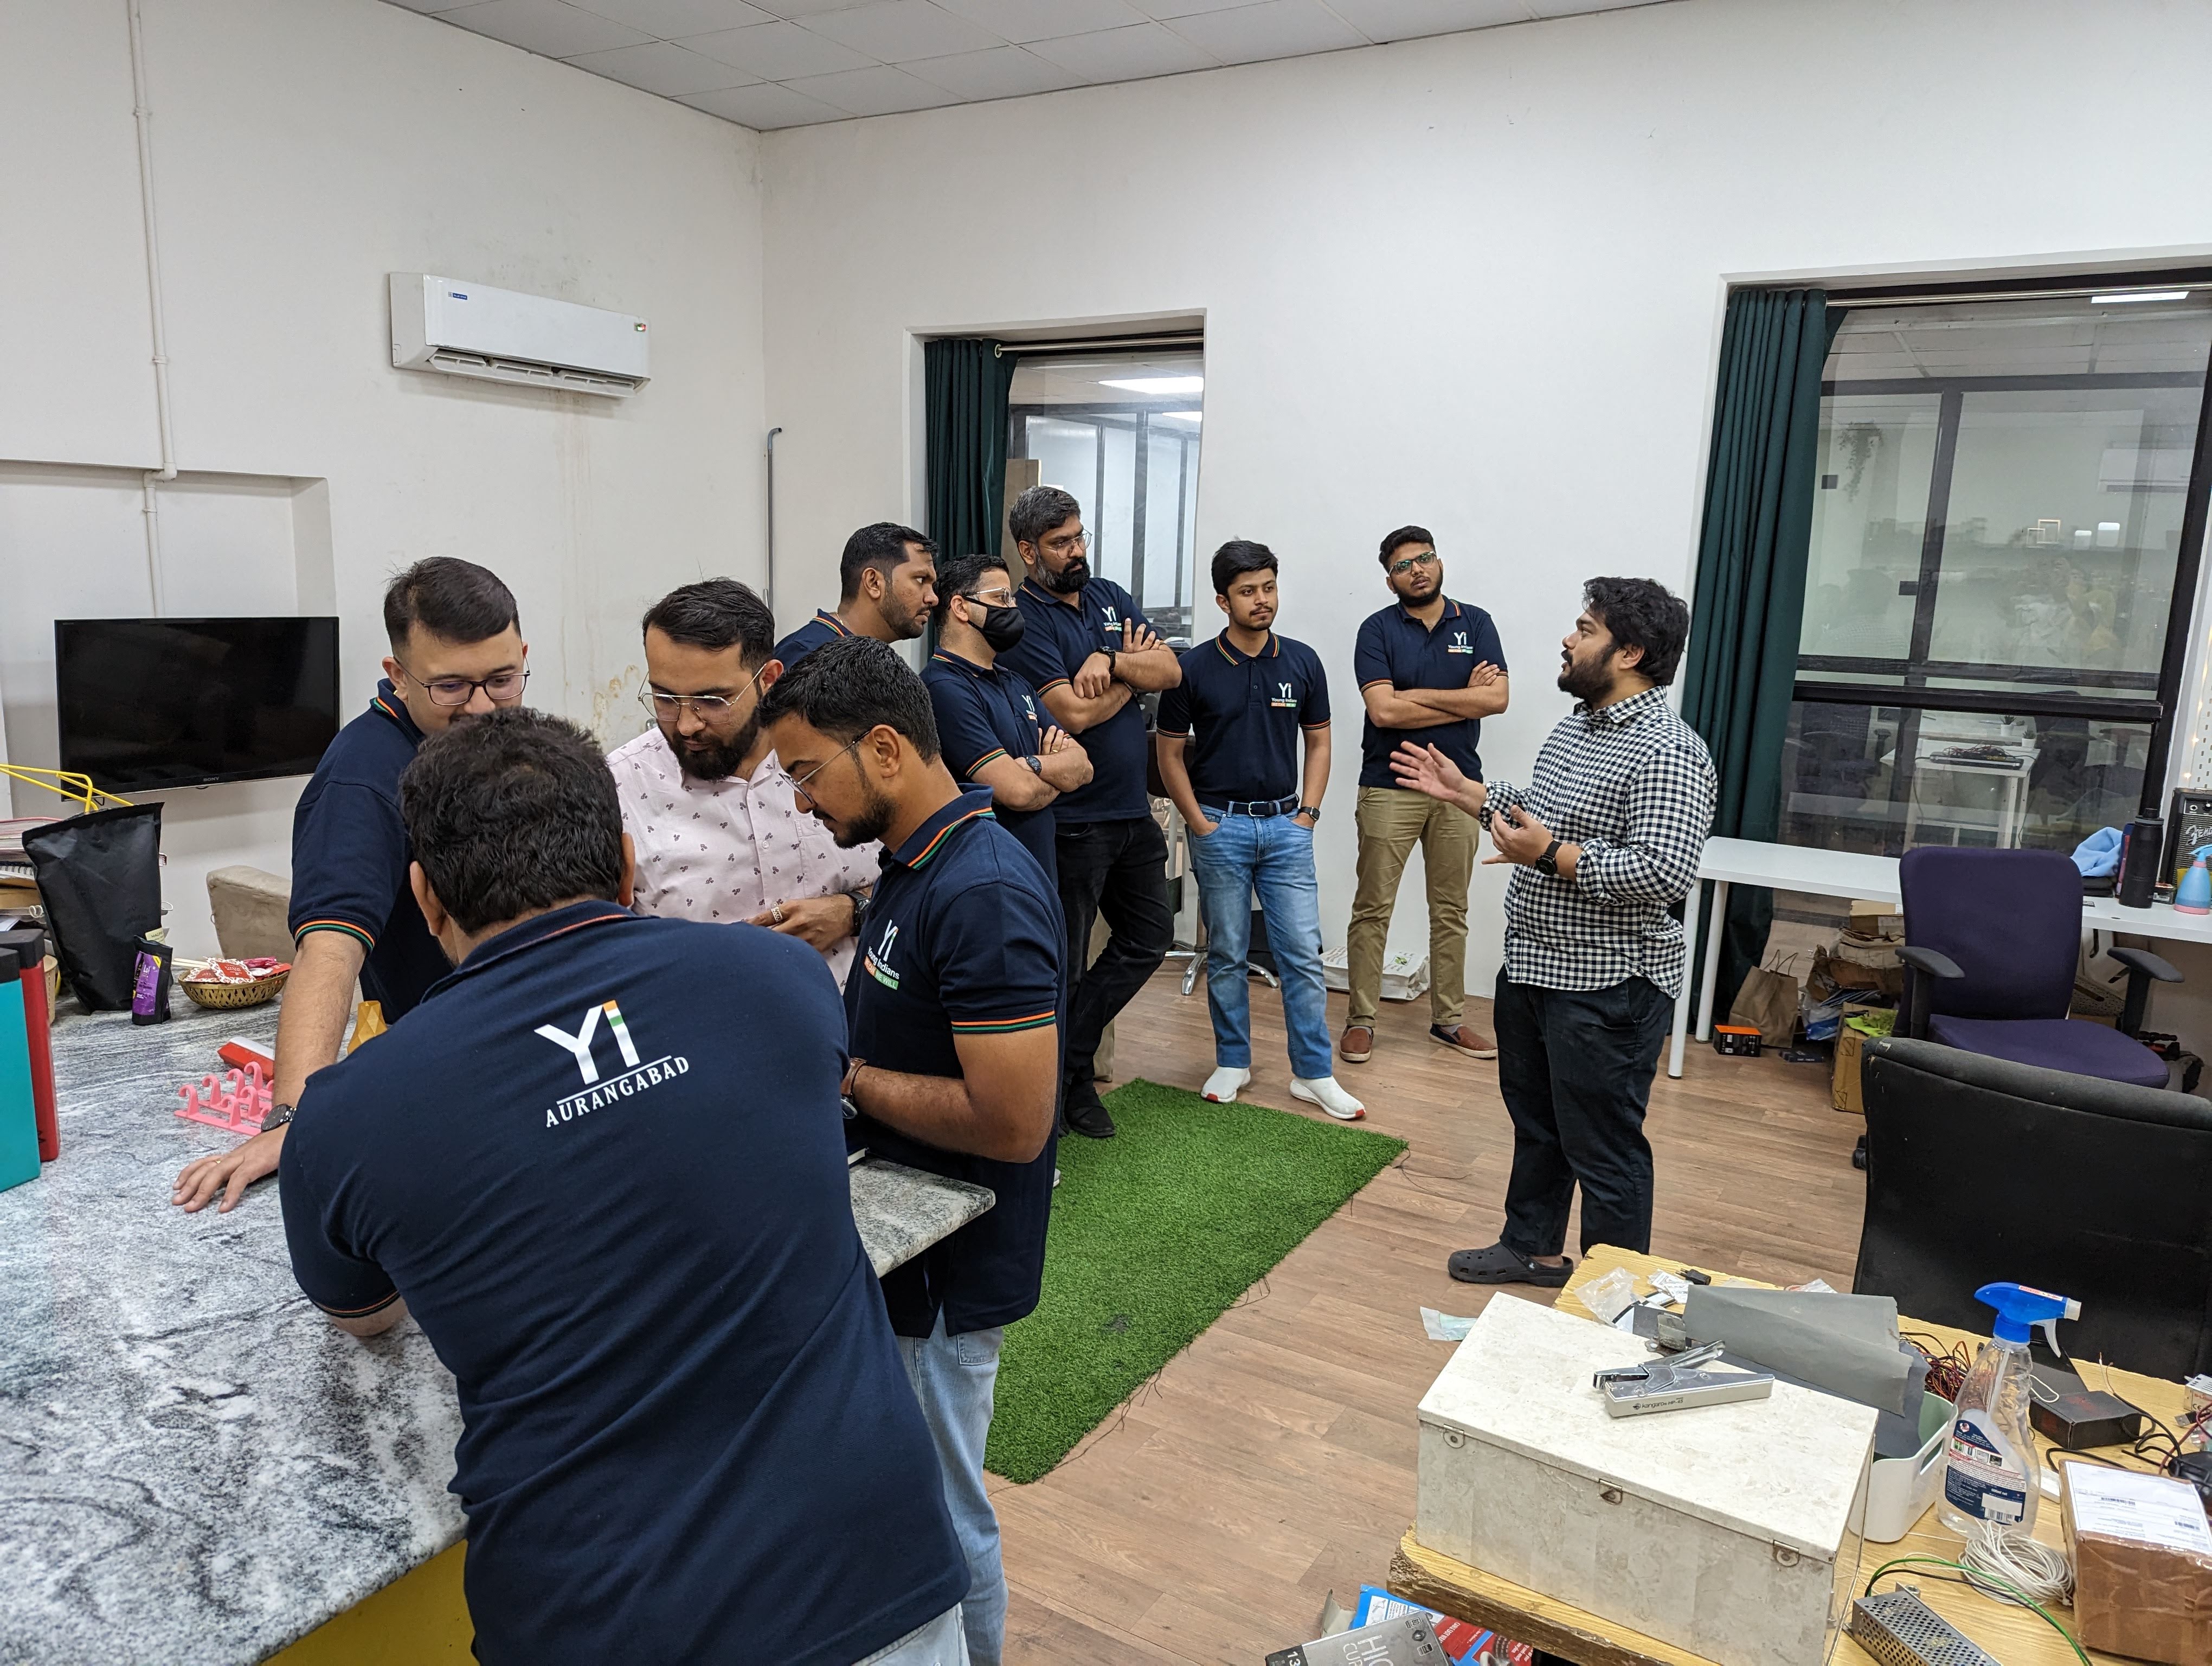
x,y
1121,432
1995,535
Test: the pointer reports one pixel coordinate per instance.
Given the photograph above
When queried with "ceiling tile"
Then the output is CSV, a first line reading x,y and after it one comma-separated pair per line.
x,y
777,51
900,31
660,68
1570,7
1123,54
672,20
1401,19
1275,29
1045,20
1164,9
430,5
544,25
764,107
1003,72
801,9
881,91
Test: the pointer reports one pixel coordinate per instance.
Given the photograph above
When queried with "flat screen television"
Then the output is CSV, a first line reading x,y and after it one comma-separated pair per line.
x,y
150,703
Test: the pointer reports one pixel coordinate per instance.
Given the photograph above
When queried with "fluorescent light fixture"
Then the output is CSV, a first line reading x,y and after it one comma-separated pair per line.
x,y
1185,416
1155,385
2138,295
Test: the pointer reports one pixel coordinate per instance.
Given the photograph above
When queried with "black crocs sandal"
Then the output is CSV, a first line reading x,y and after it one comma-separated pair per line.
x,y
1500,1264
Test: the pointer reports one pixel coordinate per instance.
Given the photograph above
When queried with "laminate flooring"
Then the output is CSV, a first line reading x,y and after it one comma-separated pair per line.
x,y
1273,1460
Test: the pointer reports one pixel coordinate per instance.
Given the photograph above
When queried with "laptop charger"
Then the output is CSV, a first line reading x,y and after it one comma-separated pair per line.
x,y
2079,1417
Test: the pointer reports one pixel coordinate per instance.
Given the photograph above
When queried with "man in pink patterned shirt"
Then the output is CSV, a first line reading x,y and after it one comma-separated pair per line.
x,y
717,832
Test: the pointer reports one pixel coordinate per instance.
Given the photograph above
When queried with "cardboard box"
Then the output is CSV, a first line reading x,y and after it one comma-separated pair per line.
x,y
2142,1562
1736,1041
1844,1087
1675,1525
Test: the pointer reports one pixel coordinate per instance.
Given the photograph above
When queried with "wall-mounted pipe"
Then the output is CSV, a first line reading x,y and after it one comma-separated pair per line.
x,y
772,433
143,114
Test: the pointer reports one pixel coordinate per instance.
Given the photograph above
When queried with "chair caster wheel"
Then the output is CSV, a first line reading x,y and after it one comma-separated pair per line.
x,y
1858,1153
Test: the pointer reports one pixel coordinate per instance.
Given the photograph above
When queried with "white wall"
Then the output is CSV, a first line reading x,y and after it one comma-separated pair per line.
x,y
1474,281
304,149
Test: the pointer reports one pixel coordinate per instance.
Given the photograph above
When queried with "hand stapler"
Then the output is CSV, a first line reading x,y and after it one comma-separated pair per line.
x,y
1670,1384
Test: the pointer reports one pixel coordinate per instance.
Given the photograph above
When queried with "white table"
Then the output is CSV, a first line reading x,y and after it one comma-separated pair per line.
x,y
1848,873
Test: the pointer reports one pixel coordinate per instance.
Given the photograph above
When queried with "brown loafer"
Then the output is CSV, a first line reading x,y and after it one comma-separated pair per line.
x,y
1462,1038
1359,1042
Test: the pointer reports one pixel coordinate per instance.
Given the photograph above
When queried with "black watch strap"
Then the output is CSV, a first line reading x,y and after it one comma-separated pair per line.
x,y
277,1117
1549,861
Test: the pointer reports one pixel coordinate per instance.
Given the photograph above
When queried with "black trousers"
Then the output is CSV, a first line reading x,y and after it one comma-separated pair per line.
x,y
1575,1067
1118,869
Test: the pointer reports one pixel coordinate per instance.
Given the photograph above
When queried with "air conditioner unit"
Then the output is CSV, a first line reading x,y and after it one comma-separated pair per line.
x,y
462,329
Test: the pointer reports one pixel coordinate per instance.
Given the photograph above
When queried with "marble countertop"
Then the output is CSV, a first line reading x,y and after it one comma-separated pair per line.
x,y
194,1465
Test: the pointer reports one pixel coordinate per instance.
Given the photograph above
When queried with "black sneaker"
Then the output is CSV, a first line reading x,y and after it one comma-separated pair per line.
x,y
1501,1264
1085,1112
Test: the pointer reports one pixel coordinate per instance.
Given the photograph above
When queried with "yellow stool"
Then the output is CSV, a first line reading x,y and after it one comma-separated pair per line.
x,y
419,1619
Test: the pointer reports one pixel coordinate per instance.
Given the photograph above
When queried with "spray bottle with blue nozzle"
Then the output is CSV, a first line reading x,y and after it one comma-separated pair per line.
x,y
1990,1475
2194,894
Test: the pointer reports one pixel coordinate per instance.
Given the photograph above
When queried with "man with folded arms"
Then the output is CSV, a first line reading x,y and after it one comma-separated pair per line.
x,y
605,1173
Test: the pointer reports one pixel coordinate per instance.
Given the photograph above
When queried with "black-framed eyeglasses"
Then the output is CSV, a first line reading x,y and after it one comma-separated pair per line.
x,y
797,783
505,687
1427,558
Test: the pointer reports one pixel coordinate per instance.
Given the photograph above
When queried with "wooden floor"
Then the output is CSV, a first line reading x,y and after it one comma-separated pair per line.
x,y
1273,1460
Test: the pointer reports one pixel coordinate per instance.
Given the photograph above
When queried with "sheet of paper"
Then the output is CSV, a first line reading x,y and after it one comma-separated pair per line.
x,y
1444,1327
2126,1504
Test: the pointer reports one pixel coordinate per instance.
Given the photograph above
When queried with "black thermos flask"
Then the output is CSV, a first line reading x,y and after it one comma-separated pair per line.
x,y
2139,859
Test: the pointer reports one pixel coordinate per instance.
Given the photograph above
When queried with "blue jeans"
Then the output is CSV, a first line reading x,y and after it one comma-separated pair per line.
x,y
953,1379
938,1643
1273,855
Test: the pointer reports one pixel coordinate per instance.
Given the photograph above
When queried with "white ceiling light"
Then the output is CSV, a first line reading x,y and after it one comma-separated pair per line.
x,y
2139,295
1185,416
1154,386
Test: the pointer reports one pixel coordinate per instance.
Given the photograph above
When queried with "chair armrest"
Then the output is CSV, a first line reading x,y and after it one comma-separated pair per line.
x,y
2142,960
1936,964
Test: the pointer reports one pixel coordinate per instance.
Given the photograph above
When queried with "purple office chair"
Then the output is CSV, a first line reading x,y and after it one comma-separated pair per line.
x,y
1993,938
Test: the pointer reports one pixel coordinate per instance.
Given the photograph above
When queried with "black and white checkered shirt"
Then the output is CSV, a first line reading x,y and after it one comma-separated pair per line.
x,y
1633,786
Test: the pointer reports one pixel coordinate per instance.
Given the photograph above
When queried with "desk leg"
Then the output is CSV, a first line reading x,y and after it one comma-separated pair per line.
x,y
1689,959
1715,928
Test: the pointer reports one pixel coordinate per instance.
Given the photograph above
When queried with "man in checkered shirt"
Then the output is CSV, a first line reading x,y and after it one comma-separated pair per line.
x,y
1604,840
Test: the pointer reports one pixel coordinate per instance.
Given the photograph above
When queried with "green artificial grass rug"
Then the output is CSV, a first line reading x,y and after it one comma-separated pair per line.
x,y
1154,1235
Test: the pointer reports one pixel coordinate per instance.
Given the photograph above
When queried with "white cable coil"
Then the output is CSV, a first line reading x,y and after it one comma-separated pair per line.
x,y
2040,1570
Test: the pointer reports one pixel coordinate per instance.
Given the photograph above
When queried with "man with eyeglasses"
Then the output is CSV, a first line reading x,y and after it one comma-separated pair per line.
x,y
1430,670
887,584
456,654
1091,655
718,835
994,730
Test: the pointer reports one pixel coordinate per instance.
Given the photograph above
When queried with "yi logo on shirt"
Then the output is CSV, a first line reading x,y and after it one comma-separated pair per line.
x,y
1459,644
1284,698
635,1077
879,960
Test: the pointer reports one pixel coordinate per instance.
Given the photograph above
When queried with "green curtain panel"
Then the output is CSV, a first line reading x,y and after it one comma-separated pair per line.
x,y
966,383
1750,597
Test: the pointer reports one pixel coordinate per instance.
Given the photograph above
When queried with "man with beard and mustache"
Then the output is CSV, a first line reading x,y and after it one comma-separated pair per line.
x,y
952,1019
1430,670
887,584
1089,652
456,654
718,835
1605,841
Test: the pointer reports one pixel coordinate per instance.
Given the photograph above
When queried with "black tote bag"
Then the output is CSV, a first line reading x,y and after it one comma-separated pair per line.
x,y
100,877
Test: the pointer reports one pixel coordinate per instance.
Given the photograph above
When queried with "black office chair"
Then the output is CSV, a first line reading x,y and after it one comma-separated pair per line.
x,y
1982,1170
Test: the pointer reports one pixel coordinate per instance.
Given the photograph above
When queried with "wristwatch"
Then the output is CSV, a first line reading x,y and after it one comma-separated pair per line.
x,y
860,900
278,1117
1313,810
1549,861
845,1088
1036,763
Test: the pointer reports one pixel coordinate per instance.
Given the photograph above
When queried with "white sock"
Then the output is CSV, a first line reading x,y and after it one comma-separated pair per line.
x,y
1322,1091
1221,1086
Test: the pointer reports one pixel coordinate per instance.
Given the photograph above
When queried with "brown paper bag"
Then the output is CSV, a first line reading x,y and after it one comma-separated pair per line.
x,y
1767,1002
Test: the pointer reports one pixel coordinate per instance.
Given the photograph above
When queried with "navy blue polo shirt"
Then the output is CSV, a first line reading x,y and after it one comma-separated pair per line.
x,y
606,1171
350,854
987,711
963,939
1249,715
824,627
1397,648
1058,639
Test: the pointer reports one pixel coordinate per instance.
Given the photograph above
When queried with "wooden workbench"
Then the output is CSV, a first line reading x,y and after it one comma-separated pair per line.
x,y
2012,1635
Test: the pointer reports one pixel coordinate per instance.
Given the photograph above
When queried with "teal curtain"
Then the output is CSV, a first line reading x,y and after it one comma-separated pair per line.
x,y
1749,603
966,380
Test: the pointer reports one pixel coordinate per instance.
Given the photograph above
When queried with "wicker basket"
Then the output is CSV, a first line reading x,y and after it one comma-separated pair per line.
x,y
230,996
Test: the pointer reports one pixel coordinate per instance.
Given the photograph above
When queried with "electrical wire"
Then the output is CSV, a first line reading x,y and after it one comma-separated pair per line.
x,y
2007,1555
1974,1576
1947,1367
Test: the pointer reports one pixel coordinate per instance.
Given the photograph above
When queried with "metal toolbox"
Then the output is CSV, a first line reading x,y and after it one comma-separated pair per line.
x,y
1716,1529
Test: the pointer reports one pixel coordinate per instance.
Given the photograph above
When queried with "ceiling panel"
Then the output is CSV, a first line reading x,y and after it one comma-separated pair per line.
x,y
770,64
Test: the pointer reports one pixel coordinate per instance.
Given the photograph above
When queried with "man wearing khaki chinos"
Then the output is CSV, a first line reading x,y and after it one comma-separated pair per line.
x,y
1430,670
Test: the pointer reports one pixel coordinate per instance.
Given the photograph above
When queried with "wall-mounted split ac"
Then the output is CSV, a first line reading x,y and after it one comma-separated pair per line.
x,y
462,329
